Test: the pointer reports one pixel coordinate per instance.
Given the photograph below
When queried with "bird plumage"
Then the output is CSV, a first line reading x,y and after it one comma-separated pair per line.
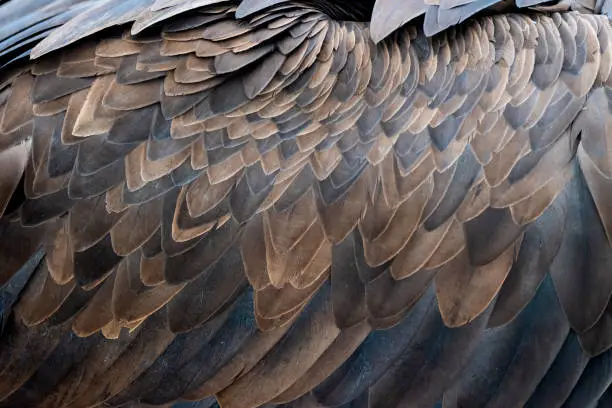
x,y
212,201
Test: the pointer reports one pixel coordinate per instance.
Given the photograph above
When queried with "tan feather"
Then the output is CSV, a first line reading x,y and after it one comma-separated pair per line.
x,y
60,255
136,226
12,165
42,298
17,109
464,291
93,118
130,97
152,270
132,301
419,249
98,313
381,247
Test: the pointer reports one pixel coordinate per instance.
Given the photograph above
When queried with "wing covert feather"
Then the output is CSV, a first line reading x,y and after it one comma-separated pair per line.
x,y
277,210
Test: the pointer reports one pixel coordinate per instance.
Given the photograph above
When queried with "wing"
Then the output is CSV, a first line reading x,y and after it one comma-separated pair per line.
x,y
67,21
438,15
27,22
278,211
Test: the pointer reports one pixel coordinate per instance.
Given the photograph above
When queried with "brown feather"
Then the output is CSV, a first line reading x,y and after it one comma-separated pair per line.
x,y
456,285
98,312
42,298
136,226
12,165
18,108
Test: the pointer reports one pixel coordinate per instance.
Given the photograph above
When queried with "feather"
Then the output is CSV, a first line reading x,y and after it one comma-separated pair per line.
x,y
130,97
259,78
88,186
13,163
60,362
348,291
459,302
313,333
531,264
17,110
343,346
89,222
129,74
275,304
147,18
49,87
36,212
580,243
592,123
148,344
597,339
132,301
135,227
98,313
249,7
250,192
94,118
348,382
31,352
452,350
237,330
96,18
591,385
207,295
496,375
182,349
388,300
95,263
42,298
562,376
248,356
97,361
201,257
464,176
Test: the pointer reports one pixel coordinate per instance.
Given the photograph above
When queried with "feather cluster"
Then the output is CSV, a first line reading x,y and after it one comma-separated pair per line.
x,y
277,209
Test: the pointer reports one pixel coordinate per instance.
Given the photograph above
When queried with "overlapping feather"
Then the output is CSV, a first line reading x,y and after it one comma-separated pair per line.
x,y
277,209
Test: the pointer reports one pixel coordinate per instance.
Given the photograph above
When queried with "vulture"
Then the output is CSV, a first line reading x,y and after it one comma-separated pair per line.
x,y
305,204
